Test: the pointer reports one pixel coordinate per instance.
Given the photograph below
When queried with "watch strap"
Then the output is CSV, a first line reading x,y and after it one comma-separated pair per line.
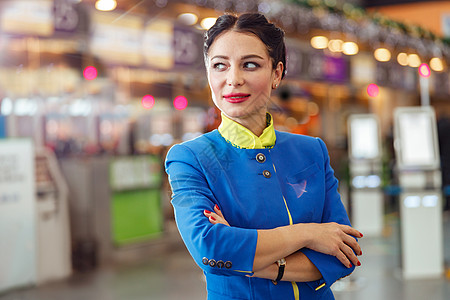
x,y
281,267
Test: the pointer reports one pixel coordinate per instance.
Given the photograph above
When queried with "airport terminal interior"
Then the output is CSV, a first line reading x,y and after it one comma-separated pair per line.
x,y
94,93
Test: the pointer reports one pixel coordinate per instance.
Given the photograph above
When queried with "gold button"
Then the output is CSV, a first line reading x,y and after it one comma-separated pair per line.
x,y
212,263
220,264
260,158
228,264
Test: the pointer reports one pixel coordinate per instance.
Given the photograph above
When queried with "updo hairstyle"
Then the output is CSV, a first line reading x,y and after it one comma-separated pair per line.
x,y
255,23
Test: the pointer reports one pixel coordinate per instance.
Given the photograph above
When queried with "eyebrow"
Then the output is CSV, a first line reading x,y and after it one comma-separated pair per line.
x,y
242,58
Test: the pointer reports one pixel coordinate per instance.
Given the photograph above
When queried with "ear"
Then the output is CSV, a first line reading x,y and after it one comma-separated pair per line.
x,y
278,73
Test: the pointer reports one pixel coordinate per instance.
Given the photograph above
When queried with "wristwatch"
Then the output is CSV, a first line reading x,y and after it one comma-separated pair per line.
x,y
281,265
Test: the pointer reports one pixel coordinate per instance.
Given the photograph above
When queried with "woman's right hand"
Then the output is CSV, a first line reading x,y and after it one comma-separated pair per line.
x,y
336,240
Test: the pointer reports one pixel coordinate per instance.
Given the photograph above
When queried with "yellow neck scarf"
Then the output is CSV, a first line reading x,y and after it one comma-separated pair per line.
x,y
241,137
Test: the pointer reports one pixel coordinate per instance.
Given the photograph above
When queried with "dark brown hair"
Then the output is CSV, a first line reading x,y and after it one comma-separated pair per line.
x,y
255,23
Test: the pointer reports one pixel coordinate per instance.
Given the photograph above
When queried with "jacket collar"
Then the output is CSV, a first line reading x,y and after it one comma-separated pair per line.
x,y
241,137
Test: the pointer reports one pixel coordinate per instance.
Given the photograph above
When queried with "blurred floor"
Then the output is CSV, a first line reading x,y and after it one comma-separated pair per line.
x,y
172,275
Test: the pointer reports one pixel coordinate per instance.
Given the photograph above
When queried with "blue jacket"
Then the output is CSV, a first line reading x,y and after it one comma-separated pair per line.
x,y
300,185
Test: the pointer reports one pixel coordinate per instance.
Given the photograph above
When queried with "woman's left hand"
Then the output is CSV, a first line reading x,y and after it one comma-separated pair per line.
x,y
216,217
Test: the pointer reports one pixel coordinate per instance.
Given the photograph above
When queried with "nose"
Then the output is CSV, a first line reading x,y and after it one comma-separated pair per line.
x,y
235,77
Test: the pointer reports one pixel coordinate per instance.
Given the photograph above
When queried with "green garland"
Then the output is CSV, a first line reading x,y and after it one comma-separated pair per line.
x,y
357,13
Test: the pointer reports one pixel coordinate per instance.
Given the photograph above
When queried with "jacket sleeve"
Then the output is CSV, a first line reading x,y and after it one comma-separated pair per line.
x,y
217,249
333,211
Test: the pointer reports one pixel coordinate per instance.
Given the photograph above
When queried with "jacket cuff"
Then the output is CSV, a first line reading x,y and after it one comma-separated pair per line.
x,y
232,252
329,266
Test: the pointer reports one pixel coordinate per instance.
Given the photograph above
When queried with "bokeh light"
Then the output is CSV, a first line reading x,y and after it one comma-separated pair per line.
x,y
424,70
207,23
382,54
106,5
402,59
373,90
335,45
188,18
148,101
319,42
414,60
90,73
350,48
436,64
180,102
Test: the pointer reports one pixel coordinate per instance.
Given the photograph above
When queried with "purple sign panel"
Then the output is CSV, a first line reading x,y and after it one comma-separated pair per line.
x,y
322,67
335,69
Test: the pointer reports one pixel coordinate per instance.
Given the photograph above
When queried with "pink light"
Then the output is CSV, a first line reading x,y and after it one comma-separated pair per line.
x,y
90,73
424,70
373,90
180,102
148,101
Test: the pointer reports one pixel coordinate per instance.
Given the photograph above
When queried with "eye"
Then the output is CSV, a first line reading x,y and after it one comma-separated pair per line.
x,y
251,65
219,66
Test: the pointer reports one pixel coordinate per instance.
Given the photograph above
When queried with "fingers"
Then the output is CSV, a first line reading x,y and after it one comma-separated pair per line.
x,y
353,244
350,247
215,217
350,255
212,217
351,231
343,259
351,241
218,211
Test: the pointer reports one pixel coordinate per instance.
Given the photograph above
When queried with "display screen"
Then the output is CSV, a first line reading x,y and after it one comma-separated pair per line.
x,y
417,145
364,138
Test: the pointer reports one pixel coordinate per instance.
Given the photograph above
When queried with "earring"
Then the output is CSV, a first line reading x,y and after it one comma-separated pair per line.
x,y
276,85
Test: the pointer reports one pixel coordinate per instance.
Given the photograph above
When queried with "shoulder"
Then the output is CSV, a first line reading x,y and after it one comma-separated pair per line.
x,y
299,143
287,137
198,146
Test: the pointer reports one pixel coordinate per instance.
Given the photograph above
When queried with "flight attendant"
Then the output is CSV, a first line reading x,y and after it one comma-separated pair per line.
x,y
258,209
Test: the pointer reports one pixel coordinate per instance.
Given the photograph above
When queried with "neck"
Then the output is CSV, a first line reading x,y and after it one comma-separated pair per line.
x,y
255,123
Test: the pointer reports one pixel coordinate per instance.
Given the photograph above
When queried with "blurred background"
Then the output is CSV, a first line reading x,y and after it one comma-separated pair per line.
x,y
94,92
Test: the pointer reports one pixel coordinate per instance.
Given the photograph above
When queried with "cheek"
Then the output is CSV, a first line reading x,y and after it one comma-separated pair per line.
x,y
214,83
263,86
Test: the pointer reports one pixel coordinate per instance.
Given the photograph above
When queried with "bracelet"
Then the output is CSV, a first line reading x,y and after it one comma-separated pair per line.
x,y
281,265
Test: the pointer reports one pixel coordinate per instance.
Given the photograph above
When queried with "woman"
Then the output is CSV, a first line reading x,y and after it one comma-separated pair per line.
x,y
258,209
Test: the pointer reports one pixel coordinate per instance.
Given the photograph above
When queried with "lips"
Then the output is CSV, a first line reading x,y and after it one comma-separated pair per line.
x,y
236,97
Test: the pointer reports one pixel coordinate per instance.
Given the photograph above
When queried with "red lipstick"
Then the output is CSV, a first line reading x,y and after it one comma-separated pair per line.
x,y
236,97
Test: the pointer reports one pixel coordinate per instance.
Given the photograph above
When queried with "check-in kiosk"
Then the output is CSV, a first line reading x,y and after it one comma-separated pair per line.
x,y
89,194
53,230
366,196
419,176
18,243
